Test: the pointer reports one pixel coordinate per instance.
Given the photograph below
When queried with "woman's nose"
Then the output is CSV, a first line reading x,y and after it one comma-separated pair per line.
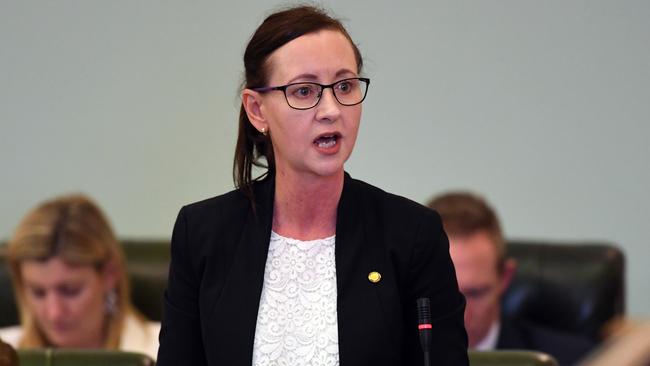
x,y
329,108
54,308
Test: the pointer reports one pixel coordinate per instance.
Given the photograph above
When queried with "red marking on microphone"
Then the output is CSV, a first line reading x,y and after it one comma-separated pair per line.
x,y
424,326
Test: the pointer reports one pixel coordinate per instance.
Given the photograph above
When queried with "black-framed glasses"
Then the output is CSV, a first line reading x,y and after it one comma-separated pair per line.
x,y
306,95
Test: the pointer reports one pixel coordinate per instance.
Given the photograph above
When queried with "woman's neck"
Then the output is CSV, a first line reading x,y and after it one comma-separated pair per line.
x,y
305,208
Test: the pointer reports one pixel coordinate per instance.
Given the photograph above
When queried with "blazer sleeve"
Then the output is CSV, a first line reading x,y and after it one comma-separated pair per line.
x,y
432,275
180,337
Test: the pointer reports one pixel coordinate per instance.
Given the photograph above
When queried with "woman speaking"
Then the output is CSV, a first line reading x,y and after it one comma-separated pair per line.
x,y
305,265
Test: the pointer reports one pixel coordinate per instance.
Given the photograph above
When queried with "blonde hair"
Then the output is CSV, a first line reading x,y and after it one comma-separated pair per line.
x,y
74,229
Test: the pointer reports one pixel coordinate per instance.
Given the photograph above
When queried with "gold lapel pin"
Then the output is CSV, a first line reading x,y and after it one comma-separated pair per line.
x,y
374,277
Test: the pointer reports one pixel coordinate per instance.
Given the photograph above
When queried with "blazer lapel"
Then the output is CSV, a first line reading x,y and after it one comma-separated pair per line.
x,y
362,318
236,313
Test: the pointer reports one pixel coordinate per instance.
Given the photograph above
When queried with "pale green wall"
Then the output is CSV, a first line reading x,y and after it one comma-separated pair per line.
x,y
541,105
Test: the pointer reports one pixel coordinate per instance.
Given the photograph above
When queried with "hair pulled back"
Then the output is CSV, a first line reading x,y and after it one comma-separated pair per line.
x,y
277,30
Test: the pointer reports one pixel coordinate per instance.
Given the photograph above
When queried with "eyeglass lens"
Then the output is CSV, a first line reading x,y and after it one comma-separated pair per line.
x,y
306,95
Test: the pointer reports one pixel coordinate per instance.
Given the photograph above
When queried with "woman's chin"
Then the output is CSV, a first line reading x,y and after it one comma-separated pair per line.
x,y
64,341
330,167
329,170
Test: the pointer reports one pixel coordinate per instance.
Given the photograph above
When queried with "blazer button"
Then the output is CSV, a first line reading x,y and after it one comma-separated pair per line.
x,y
374,277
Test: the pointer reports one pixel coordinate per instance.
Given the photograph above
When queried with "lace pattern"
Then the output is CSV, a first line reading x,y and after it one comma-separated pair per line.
x,y
297,320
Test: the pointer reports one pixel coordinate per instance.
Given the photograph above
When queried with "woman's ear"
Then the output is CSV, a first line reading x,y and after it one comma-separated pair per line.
x,y
252,102
110,275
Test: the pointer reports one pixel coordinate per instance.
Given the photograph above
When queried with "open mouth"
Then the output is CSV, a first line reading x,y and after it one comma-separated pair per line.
x,y
328,140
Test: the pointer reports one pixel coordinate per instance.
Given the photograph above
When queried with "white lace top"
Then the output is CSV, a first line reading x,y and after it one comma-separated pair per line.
x,y
297,321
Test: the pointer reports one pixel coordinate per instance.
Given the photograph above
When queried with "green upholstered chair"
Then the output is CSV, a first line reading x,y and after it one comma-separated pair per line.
x,y
8,312
148,264
57,357
510,358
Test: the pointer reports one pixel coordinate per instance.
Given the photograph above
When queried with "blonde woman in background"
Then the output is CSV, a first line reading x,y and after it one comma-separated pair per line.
x,y
71,282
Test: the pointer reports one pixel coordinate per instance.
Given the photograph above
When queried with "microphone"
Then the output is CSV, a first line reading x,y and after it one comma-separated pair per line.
x,y
424,327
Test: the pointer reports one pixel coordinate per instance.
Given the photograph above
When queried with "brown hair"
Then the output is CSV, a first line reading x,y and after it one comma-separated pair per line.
x,y
74,229
465,213
277,30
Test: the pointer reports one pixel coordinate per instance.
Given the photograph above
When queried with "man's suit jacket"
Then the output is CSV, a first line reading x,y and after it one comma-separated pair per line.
x,y
219,249
565,348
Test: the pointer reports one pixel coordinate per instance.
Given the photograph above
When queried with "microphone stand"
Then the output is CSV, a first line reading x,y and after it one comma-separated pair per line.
x,y
424,328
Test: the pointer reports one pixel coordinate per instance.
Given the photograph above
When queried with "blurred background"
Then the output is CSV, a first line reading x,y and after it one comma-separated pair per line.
x,y
541,106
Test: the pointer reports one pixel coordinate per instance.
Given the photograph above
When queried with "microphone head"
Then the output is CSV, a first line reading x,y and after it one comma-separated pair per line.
x,y
424,310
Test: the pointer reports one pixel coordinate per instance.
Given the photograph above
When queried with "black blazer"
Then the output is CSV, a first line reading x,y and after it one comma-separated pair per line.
x,y
520,334
219,249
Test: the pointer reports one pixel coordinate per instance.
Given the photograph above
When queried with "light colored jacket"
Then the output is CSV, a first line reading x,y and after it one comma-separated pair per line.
x,y
137,336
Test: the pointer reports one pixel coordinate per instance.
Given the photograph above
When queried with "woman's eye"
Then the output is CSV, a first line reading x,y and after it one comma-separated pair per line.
x,y
303,91
344,86
38,293
70,291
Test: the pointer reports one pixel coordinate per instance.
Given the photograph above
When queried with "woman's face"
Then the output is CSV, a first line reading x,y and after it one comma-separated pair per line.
x,y
66,301
315,142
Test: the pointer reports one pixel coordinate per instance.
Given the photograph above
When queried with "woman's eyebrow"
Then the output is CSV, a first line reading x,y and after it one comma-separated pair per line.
x,y
313,77
305,76
345,72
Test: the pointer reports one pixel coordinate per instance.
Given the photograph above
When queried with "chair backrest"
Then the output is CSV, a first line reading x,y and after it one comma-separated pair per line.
x,y
147,262
572,287
69,357
8,312
510,358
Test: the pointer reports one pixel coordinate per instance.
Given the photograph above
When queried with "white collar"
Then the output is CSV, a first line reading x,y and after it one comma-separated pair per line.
x,y
489,342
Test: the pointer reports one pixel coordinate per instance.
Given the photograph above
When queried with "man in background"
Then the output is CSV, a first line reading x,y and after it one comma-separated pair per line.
x,y
477,248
